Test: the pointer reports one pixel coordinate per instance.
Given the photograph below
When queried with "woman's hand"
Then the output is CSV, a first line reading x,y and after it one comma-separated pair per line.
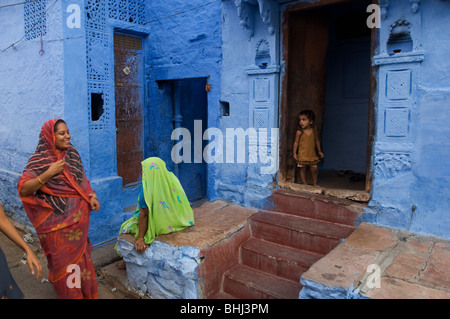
x,y
7,228
95,204
33,185
140,245
56,167
32,260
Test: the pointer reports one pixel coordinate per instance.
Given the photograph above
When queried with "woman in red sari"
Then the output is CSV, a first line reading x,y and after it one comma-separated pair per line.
x,y
58,199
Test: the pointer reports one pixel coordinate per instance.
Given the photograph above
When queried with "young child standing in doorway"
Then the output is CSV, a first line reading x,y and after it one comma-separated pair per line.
x,y
307,149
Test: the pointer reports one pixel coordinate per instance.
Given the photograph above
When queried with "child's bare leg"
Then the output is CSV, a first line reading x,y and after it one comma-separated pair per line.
x,y
303,174
314,170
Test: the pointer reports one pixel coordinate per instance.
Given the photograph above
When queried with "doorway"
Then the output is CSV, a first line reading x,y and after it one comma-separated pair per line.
x,y
328,70
129,95
190,103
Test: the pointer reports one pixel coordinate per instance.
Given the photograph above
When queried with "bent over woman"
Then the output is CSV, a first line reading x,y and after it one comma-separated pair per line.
x,y
58,199
162,206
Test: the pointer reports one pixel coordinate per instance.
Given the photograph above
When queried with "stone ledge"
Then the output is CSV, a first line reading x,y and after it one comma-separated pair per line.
x,y
169,267
410,266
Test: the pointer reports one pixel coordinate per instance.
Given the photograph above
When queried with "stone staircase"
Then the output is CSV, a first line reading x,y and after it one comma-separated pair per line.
x,y
300,229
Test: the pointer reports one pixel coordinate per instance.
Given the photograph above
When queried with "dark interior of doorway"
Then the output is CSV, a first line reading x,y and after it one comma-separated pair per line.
x,y
328,71
192,98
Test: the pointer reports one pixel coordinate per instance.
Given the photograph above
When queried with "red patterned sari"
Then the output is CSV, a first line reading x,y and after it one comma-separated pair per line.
x,y
60,213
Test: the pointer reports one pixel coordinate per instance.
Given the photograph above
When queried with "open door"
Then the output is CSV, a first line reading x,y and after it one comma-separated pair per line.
x,y
307,75
328,70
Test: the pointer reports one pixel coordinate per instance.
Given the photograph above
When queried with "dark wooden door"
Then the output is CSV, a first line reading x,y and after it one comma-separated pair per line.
x,y
129,97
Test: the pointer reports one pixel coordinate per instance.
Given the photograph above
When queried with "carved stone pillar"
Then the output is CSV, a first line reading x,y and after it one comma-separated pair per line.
x,y
399,64
263,148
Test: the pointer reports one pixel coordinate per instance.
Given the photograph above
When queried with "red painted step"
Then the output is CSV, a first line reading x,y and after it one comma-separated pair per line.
x,y
248,283
275,259
223,295
317,206
287,241
298,232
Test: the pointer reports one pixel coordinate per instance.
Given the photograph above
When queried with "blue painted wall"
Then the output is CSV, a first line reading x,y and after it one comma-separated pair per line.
x,y
181,46
252,95
31,92
411,176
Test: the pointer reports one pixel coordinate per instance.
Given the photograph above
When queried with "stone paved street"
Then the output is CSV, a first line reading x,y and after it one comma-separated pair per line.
x,y
111,280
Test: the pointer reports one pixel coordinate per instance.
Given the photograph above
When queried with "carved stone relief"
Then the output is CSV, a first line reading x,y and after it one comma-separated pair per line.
x,y
391,164
397,122
384,5
398,84
246,10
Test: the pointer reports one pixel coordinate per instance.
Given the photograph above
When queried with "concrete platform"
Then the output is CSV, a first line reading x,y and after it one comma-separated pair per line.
x,y
381,263
214,222
189,263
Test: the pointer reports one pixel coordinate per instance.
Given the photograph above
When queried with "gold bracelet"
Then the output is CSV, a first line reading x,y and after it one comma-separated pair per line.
x,y
40,181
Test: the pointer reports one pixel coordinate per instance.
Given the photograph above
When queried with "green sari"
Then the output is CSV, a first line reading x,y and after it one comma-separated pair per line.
x,y
168,207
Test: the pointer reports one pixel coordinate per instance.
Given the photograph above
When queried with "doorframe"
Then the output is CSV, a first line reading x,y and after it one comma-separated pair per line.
x,y
289,11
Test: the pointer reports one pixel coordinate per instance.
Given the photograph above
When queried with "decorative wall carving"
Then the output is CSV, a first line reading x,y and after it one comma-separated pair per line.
x,y
246,10
399,59
262,56
384,5
398,84
98,70
391,164
260,118
261,89
397,122
266,12
415,5
35,21
132,11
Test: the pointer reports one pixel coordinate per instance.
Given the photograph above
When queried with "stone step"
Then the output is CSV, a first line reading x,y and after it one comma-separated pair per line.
x,y
248,283
298,232
317,206
275,259
223,295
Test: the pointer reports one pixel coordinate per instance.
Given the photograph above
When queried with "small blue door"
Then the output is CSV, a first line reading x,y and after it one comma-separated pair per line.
x,y
193,109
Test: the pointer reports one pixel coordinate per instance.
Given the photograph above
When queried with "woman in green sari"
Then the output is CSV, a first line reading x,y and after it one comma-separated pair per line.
x,y
162,205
